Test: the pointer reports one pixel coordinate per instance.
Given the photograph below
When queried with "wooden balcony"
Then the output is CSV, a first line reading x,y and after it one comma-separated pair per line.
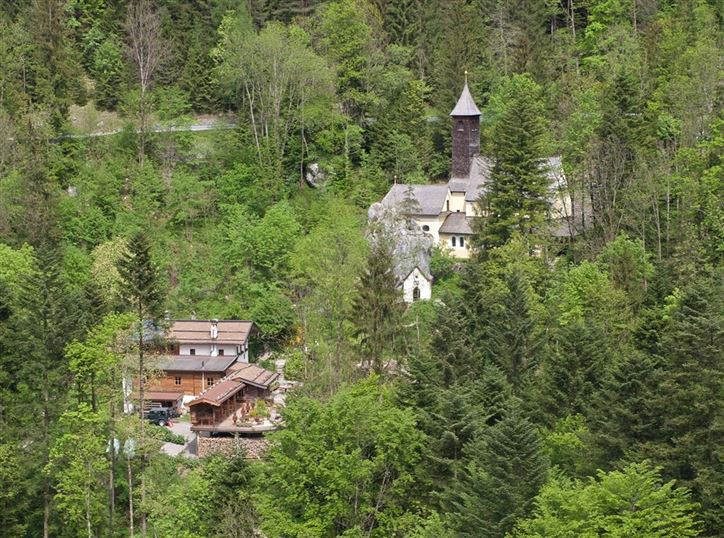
x,y
232,417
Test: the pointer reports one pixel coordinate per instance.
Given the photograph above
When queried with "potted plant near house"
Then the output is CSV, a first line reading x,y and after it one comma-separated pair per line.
x,y
260,411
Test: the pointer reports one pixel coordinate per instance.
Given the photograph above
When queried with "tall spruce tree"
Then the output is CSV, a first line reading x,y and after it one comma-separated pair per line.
x,y
690,397
519,188
402,22
47,318
378,307
621,414
571,372
515,343
143,297
505,468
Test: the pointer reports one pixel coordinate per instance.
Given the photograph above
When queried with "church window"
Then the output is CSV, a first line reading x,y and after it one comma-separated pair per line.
x,y
448,205
416,294
453,240
425,228
462,241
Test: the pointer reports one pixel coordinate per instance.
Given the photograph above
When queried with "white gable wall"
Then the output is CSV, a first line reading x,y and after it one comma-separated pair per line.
x,y
433,223
212,350
416,280
457,202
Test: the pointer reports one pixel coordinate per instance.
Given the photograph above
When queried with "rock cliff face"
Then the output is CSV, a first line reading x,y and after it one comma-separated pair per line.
x,y
412,246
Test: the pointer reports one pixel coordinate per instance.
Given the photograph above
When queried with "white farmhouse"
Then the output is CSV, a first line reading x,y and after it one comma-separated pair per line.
x,y
212,338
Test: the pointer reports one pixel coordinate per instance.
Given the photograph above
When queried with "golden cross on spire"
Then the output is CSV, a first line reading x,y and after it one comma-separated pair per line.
x,y
466,76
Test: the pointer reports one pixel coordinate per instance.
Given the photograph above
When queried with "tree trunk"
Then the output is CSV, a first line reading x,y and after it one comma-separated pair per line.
x,y
130,497
142,436
46,441
89,526
111,477
142,130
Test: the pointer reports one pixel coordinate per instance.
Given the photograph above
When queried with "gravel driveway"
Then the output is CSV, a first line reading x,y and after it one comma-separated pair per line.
x,y
188,449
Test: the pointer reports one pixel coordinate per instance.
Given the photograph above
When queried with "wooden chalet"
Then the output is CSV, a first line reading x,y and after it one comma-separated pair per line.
x,y
191,375
229,405
198,353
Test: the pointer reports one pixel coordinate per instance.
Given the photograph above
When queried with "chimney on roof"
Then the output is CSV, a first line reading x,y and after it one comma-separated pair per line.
x,y
465,132
214,328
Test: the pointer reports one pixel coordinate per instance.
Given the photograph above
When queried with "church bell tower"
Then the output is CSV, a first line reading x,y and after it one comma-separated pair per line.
x,y
465,133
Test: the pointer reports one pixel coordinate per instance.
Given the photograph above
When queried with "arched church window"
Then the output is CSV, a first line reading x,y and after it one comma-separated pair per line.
x,y
453,240
416,294
462,241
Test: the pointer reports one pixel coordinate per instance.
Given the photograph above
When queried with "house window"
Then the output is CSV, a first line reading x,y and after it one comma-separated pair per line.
x,y
462,241
425,228
192,351
209,381
448,205
177,380
453,240
416,294
221,352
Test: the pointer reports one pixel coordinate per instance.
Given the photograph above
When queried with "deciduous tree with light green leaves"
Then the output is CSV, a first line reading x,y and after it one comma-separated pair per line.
x,y
342,467
630,502
78,469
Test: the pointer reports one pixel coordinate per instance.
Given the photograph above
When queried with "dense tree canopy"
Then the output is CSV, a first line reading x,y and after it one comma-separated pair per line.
x,y
217,158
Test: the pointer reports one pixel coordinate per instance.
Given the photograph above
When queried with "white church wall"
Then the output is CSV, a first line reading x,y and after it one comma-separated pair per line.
x,y
433,224
416,280
457,202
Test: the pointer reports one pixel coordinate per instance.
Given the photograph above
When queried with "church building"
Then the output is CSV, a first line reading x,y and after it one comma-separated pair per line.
x,y
446,211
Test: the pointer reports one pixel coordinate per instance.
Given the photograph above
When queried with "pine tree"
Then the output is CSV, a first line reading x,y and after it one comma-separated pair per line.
x,y
378,308
504,471
571,372
450,343
518,198
515,344
143,296
690,398
402,22
47,318
621,415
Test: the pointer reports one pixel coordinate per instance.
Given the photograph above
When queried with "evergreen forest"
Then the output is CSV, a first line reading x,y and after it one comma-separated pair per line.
x,y
216,159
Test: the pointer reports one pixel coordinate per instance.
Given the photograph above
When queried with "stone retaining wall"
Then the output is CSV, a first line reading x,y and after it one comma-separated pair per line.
x,y
254,448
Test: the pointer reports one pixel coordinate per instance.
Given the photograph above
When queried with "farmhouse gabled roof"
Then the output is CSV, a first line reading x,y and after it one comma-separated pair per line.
x,y
195,331
251,374
219,392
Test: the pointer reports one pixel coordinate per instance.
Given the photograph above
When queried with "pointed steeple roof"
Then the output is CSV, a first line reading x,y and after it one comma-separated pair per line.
x,y
465,106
